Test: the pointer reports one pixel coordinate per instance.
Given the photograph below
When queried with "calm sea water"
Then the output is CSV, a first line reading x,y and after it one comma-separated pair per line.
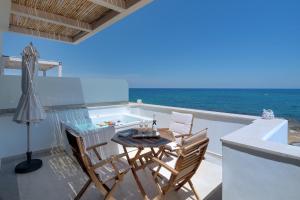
x,y
284,102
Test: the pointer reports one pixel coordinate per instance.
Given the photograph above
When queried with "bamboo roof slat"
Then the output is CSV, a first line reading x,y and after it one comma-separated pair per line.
x,y
117,5
49,17
69,21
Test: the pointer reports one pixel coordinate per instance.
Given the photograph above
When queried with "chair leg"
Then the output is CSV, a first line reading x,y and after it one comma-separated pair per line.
x,y
110,192
155,173
140,187
163,153
181,184
162,196
195,192
83,189
99,185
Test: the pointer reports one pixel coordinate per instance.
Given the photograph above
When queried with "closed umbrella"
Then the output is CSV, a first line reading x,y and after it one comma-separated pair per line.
x,y
29,109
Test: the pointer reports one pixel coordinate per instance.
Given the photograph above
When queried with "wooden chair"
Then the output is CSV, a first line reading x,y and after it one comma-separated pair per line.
x,y
101,172
177,171
180,128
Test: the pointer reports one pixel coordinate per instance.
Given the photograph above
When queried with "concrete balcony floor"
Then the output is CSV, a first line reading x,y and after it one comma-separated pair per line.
x,y
61,178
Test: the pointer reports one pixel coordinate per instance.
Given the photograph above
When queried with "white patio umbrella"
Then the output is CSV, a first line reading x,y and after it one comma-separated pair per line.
x,y
29,109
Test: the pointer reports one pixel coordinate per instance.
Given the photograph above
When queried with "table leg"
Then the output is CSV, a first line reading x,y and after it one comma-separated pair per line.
x,y
137,180
159,153
133,164
153,151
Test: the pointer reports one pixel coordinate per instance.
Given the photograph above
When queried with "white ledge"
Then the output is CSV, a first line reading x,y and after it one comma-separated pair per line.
x,y
256,136
238,118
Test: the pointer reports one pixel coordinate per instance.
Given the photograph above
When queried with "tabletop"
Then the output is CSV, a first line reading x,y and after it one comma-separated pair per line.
x,y
129,141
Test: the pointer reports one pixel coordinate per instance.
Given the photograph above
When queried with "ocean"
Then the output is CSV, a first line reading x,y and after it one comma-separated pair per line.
x,y
284,102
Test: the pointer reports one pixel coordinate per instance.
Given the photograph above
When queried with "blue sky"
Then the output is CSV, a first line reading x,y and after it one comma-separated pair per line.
x,y
188,43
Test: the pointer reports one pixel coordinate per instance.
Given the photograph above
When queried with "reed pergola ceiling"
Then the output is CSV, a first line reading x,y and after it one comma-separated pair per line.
x,y
69,21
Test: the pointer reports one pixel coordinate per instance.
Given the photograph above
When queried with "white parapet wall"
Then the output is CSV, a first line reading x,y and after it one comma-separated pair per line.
x,y
65,99
1,60
46,134
54,91
218,124
259,164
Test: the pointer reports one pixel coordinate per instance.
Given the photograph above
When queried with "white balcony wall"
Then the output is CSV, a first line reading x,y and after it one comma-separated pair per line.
x,y
259,164
251,175
218,124
278,135
1,44
55,91
45,134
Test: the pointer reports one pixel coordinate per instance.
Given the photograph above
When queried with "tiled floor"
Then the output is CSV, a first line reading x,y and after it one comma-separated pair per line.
x,y
61,178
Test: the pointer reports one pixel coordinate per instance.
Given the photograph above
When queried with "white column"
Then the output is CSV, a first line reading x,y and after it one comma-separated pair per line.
x,y
1,67
59,69
1,64
5,7
44,73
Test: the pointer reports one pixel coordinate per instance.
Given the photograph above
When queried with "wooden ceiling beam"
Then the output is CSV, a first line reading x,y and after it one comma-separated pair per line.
x,y
27,31
104,21
118,9
116,5
112,17
36,14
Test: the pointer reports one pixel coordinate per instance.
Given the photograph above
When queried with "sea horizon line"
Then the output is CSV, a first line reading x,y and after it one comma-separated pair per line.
x,y
215,88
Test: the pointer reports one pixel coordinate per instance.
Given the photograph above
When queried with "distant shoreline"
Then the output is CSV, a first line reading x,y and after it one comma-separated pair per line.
x,y
294,131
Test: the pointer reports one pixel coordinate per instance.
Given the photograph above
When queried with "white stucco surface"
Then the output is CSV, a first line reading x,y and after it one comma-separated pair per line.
x,y
4,15
269,136
47,133
259,164
4,22
218,124
247,176
54,91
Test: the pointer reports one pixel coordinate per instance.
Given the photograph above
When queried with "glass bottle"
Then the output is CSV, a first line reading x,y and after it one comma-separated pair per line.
x,y
154,126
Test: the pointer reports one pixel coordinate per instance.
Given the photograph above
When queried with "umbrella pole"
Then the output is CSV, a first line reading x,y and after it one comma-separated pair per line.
x,y
28,153
30,164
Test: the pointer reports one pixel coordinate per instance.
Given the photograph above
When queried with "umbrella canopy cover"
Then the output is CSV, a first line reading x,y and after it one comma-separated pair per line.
x,y
29,108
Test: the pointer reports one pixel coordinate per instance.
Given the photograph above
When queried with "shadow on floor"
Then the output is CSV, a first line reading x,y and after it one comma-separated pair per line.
x,y
8,182
61,178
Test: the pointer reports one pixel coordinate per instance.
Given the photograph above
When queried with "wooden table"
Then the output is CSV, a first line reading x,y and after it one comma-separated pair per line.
x,y
140,144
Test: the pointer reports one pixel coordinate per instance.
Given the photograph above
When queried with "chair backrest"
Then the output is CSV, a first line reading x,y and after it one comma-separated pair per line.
x,y
190,156
181,123
76,143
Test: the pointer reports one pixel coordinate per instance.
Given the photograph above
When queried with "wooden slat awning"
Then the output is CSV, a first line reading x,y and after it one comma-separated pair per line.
x,y
70,21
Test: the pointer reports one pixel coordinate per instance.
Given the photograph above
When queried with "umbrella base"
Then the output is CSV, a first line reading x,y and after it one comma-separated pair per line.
x,y
29,165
